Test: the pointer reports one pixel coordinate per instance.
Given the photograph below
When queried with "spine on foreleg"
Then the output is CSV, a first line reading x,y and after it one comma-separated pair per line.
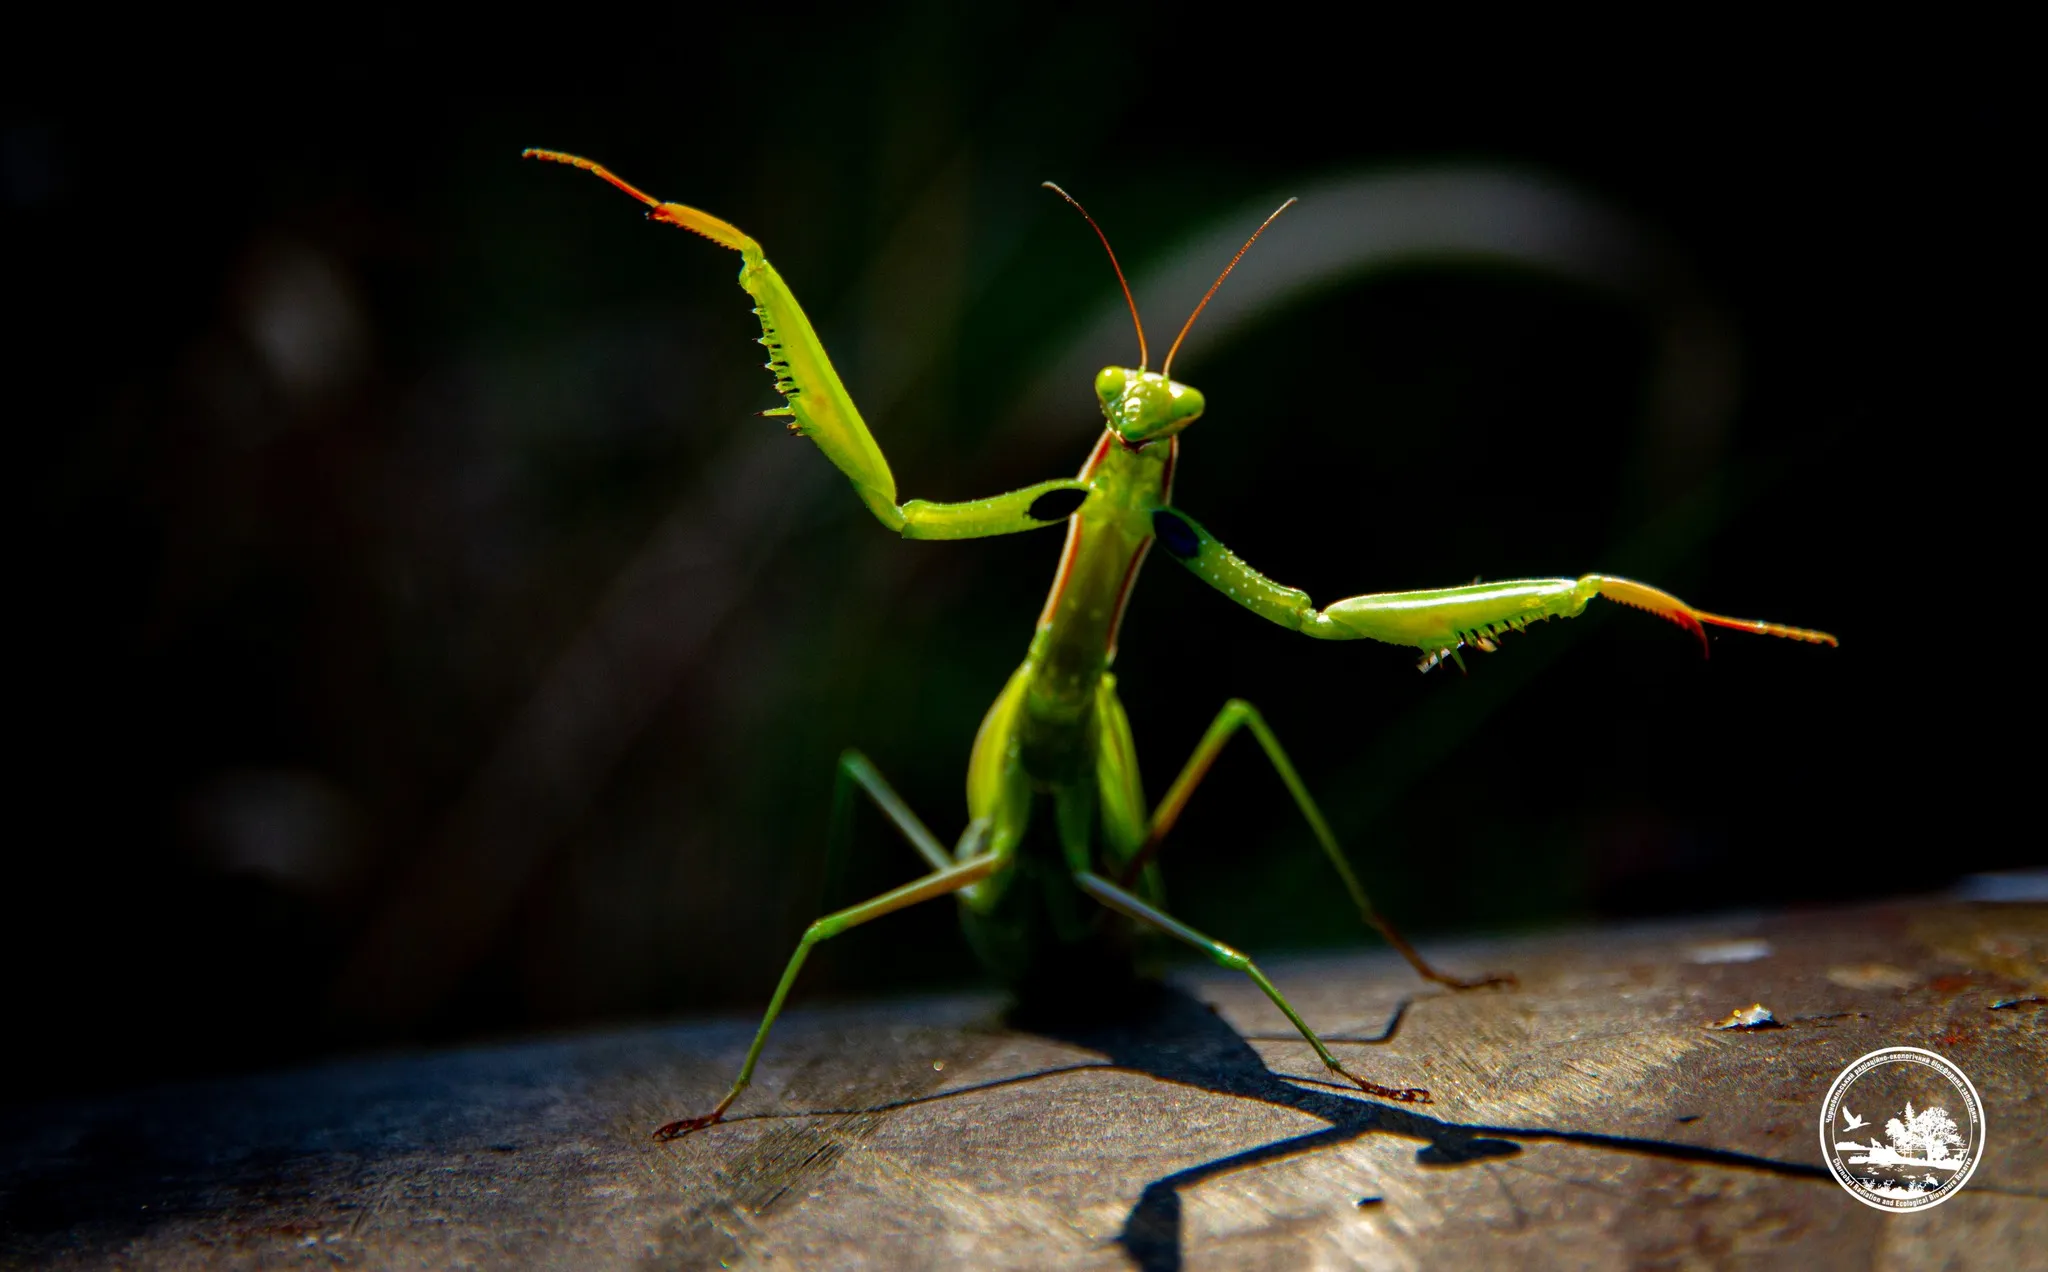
x,y
1442,622
818,403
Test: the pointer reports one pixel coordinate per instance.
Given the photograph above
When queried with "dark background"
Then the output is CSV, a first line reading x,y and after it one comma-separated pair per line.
x,y
415,640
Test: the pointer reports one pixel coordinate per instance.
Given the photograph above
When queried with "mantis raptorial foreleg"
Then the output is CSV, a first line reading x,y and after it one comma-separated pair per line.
x,y
939,883
1239,714
1224,956
1442,621
818,406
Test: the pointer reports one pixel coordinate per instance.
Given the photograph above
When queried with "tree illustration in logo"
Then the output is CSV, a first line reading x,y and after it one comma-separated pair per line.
x,y
1927,1135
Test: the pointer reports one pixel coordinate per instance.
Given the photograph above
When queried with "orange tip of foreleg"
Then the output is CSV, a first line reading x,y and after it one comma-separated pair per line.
x,y
1806,634
723,233
596,169
1661,603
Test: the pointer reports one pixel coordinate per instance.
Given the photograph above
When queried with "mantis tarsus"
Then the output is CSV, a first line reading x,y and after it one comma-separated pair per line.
x,y
1057,740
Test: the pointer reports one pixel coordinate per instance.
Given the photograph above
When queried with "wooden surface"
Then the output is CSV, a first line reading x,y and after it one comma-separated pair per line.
x,y
1587,1119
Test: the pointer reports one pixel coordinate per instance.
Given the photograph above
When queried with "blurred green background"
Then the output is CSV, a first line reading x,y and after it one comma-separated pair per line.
x,y
422,639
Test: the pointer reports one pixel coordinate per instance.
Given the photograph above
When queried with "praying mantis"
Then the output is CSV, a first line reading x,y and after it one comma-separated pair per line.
x,y
1040,908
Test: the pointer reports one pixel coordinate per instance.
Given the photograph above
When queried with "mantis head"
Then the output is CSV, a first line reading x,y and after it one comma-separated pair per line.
x,y
1144,406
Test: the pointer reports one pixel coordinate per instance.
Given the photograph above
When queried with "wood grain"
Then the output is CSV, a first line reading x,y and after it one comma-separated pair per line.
x,y
1587,1118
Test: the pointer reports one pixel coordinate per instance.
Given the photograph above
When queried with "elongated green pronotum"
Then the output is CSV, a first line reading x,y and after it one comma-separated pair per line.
x,y
1057,735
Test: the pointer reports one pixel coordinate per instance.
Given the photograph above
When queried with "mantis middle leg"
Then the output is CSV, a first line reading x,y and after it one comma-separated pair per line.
x,y
939,883
1224,956
1238,714
946,878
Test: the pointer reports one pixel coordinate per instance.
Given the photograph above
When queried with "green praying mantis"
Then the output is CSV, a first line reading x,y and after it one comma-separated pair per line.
x,y
1057,742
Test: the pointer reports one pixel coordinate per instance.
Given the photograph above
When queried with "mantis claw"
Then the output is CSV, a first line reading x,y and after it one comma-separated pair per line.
x,y
1399,1095
1493,980
683,1126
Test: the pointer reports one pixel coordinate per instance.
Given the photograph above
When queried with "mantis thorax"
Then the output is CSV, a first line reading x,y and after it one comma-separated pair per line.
x,y
1144,406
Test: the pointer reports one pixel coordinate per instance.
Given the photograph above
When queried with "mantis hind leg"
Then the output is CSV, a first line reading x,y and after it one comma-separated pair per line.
x,y
1130,906
856,770
1239,714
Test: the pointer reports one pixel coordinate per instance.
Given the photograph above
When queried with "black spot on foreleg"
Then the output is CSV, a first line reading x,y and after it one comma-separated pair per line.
x,y
1056,505
1175,535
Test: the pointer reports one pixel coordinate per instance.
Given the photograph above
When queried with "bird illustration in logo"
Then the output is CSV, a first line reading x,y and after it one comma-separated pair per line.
x,y
1849,1120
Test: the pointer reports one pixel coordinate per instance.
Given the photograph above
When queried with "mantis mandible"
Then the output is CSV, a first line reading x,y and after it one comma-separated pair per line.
x,y
1057,741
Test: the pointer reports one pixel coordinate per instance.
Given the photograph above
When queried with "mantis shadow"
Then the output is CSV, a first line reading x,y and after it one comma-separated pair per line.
x,y
1175,1037
1170,1035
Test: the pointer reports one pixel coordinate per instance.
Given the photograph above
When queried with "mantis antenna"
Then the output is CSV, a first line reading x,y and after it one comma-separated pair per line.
x,y
1144,358
1166,368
